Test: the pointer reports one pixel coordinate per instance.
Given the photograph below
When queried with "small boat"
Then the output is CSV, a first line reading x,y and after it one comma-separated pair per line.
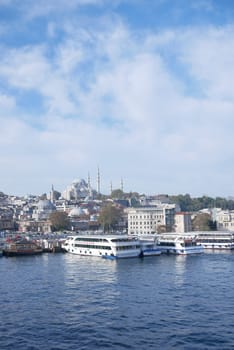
x,y
181,244
21,247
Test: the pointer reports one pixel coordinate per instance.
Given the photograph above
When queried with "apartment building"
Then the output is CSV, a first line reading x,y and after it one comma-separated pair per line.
x,y
224,219
148,219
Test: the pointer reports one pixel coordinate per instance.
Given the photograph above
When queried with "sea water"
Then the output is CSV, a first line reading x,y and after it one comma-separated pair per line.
x,y
64,301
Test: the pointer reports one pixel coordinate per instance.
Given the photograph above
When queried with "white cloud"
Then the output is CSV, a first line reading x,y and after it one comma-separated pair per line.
x,y
6,102
206,5
208,57
35,72
112,98
42,8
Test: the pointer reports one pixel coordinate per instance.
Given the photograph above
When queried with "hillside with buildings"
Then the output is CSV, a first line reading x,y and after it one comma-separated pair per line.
x,y
137,214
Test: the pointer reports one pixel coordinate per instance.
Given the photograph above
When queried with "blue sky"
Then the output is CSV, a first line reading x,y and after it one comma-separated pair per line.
x,y
141,88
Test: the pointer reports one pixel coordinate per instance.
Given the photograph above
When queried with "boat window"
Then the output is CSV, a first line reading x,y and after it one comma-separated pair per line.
x,y
166,244
91,239
115,240
91,246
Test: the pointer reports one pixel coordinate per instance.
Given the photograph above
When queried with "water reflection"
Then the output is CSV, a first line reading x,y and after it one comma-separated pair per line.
x,y
90,286
79,269
180,268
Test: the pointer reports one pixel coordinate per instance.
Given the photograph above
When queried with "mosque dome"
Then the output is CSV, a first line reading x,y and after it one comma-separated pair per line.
x,y
45,205
78,189
43,210
76,212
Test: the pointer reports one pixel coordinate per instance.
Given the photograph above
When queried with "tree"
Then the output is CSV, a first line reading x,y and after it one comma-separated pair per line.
x,y
164,229
117,194
203,222
59,221
109,217
161,229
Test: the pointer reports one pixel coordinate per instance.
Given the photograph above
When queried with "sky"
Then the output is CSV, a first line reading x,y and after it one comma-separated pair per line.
x,y
141,89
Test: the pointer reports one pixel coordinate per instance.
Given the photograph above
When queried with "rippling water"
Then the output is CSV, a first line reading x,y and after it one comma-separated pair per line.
x,y
63,301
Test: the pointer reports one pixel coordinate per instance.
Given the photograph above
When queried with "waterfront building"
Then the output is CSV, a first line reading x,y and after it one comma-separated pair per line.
x,y
183,222
6,219
148,219
42,226
224,219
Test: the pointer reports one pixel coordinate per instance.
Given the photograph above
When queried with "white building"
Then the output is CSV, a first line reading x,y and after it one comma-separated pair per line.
x,y
183,222
147,220
224,219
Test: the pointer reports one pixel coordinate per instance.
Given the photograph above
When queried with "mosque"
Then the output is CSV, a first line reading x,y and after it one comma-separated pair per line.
x,y
43,210
79,189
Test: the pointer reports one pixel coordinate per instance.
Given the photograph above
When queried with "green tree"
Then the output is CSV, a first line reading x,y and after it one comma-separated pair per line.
x,y
59,221
187,203
203,222
161,229
109,217
117,194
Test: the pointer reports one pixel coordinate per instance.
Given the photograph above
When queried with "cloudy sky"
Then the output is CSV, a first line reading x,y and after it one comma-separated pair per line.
x,y
142,89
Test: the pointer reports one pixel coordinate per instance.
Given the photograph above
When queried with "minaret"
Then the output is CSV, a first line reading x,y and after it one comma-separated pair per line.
x,y
111,188
121,184
98,181
52,194
89,186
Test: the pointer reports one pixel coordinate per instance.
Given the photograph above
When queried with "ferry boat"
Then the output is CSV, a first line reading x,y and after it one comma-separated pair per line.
x,y
21,247
106,246
178,244
216,240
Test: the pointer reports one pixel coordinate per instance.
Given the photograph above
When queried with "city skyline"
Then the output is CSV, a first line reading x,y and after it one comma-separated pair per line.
x,y
142,89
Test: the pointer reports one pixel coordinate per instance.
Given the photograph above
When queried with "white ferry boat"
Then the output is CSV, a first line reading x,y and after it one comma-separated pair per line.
x,y
178,244
216,240
106,246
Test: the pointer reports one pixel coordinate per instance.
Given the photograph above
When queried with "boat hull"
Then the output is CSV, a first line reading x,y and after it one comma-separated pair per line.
x,y
103,253
184,251
21,253
218,246
150,252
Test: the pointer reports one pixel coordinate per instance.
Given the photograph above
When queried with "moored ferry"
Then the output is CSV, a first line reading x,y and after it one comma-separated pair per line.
x,y
221,240
113,246
21,247
178,244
